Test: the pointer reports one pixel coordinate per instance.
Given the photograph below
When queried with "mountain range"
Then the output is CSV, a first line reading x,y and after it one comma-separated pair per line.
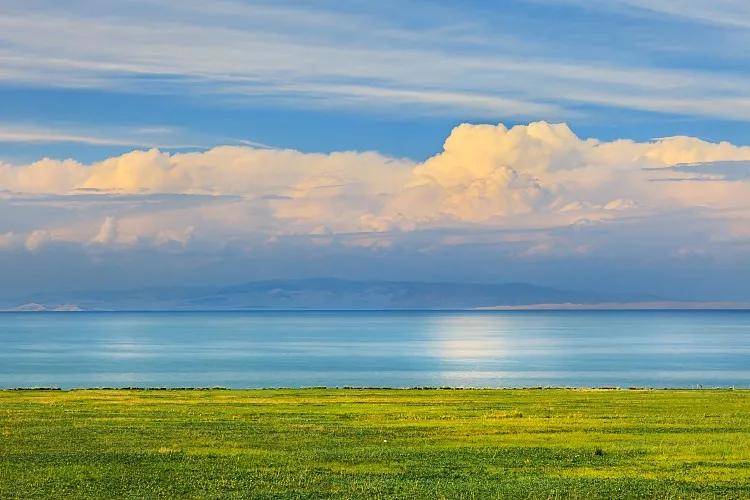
x,y
323,294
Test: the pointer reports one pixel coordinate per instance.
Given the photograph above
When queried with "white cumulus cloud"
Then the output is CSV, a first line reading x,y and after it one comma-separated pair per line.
x,y
539,175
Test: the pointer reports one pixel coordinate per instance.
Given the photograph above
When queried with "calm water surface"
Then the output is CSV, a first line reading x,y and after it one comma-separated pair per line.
x,y
395,349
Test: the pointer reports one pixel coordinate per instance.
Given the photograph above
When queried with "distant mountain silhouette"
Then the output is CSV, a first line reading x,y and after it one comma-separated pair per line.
x,y
331,294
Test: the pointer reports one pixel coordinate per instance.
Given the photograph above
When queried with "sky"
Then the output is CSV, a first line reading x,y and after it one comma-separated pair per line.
x,y
570,143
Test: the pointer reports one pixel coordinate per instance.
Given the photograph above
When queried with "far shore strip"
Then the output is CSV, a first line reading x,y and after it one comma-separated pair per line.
x,y
661,305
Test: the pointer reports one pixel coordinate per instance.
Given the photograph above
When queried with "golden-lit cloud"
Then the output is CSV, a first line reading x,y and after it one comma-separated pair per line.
x,y
539,175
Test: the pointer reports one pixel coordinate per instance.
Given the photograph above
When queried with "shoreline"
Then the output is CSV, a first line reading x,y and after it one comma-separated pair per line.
x,y
661,306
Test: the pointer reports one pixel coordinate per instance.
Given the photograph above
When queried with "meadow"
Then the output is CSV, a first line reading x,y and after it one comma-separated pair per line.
x,y
364,443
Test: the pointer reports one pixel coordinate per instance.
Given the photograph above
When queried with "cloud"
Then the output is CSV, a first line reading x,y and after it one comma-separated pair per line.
x,y
43,176
487,171
30,136
170,236
38,238
445,63
107,232
714,171
548,191
721,12
8,240
139,137
497,175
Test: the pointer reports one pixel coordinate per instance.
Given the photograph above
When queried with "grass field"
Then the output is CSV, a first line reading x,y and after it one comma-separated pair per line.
x,y
375,443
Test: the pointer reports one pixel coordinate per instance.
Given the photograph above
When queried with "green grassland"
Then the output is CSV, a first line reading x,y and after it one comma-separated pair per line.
x,y
313,443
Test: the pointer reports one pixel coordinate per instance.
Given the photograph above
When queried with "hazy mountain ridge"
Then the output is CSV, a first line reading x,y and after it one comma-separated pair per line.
x,y
327,293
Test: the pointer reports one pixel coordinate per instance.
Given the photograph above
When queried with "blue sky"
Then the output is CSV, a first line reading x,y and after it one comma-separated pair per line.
x,y
291,87
388,76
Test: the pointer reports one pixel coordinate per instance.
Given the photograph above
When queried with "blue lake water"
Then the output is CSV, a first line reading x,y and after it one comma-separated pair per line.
x,y
383,349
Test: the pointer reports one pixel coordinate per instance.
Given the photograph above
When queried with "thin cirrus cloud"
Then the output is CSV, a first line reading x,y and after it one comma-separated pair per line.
x,y
162,137
13,134
290,55
733,13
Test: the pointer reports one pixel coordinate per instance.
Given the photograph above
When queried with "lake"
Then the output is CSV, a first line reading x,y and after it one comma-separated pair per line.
x,y
380,349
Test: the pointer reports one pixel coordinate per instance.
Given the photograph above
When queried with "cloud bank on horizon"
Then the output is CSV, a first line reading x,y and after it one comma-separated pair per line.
x,y
535,192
